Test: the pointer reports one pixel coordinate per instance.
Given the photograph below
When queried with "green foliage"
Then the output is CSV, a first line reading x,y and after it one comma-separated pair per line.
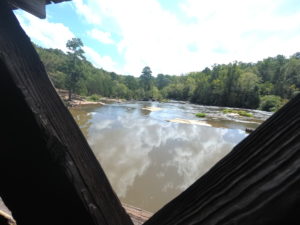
x,y
146,78
162,81
244,113
246,85
270,103
94,98
201,115
229,111
239,112
74,65
75,48
156,95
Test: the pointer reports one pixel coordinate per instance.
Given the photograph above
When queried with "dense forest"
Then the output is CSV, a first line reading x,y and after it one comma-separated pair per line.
x,y
266,85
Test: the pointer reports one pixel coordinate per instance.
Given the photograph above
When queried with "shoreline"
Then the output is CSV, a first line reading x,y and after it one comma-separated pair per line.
x,y
78,100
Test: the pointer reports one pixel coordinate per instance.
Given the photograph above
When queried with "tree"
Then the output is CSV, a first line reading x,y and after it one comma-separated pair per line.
x,y
236,84
146,78
270,103
231,85
162,81
131,82
74,64
248,88
146,81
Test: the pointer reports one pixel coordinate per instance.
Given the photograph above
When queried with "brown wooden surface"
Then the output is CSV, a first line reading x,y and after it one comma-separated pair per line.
x,y
257,183
35,7
137,215
47,168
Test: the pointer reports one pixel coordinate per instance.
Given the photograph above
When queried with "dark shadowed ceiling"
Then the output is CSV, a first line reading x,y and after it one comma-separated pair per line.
x,y
35,7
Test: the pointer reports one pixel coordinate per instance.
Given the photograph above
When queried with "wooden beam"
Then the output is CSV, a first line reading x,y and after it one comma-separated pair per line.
x,y
258,182
49,174
35,7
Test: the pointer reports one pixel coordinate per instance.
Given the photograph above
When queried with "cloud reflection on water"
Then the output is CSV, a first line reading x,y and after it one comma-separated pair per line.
x,y
149,161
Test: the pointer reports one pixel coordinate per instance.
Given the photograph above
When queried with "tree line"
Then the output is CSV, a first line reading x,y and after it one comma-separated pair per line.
x,y
266,85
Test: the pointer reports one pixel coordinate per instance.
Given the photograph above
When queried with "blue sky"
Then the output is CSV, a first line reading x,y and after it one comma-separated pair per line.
x,y
170,36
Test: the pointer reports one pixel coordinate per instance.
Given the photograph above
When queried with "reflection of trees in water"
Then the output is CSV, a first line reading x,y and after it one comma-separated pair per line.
x,y
145,112
145,105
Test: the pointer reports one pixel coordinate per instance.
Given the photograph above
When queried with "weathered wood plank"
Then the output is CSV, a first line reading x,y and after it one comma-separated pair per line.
x,y
137,215
258,182
49,173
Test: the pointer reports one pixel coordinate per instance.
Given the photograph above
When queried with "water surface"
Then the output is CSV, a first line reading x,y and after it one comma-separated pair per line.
x,y
148,160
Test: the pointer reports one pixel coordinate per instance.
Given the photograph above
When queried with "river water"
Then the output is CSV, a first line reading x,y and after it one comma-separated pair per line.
x,y
149,160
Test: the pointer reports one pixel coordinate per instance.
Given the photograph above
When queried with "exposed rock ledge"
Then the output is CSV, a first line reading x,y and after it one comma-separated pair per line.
x,y
152,109
185,121
76,102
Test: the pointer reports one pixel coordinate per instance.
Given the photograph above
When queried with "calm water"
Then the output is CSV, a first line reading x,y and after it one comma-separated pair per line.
x,y
148,160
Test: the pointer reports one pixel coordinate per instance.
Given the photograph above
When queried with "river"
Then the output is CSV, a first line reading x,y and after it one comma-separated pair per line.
x,y
149,160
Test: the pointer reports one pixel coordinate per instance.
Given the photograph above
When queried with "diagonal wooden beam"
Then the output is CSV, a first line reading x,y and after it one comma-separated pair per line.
x,y
49,173
35,7
258,182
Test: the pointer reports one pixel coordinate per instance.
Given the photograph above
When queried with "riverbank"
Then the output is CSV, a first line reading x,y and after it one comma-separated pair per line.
x,y
185,121
78,100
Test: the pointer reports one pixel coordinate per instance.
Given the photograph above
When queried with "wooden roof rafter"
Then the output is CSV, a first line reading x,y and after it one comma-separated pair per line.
x,y
35,7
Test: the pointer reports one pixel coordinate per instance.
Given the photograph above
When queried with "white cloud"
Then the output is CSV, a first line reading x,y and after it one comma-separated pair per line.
x,y
150,35
87,11
99,61
213,31
56,35
245,30
218,31
45,33
101,36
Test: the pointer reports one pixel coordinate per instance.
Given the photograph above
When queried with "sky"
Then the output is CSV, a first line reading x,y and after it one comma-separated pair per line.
x,y
170,36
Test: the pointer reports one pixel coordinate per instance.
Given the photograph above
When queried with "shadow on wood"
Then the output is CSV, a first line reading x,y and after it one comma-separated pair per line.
x,y
49,174
258,182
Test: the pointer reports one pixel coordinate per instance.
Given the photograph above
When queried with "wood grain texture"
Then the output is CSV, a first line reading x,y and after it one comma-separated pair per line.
x,y
258,182
48,160
49,173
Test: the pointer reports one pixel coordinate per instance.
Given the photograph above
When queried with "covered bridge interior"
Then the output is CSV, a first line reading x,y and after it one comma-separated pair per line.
x,y
49,174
